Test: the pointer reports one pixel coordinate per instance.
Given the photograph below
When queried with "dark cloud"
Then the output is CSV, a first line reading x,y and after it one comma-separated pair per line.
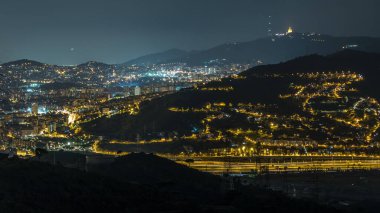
x,y
114,31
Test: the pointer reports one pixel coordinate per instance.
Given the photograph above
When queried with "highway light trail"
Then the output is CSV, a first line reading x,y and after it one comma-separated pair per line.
x,y
218,167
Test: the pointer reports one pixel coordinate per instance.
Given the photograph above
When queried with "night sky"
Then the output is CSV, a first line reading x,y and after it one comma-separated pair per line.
x,y
114,31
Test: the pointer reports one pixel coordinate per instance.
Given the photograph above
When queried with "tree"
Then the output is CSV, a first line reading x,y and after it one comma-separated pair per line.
x,y
40,151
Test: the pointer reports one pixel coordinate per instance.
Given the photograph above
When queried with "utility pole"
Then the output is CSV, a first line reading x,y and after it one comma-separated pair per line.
x,y
138,142
269,29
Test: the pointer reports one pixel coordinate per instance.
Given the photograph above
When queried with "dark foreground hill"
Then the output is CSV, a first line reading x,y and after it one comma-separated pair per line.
x,y
153,170
38,187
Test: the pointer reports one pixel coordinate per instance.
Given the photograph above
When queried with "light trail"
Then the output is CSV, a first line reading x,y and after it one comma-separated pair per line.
x,y
219,167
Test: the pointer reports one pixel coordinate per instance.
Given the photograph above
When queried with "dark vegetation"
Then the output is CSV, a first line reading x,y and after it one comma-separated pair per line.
x,y
134,183
354,191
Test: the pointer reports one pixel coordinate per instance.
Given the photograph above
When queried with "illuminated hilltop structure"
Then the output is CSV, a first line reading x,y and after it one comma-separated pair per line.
x,y
290,30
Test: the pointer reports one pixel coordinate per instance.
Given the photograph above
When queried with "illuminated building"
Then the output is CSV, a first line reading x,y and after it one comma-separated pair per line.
x,y
34,109
106,110
137,91
52,127
290,30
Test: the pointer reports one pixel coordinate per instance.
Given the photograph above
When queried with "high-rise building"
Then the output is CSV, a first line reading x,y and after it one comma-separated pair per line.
x,y
34,109
52,127
137,90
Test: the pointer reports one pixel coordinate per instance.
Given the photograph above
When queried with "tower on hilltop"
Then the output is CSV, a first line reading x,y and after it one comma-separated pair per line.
x,y
290,30
269,28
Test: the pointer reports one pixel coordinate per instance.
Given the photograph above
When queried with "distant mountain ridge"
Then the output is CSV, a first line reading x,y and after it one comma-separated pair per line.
x,y
157,58
267,50
281,48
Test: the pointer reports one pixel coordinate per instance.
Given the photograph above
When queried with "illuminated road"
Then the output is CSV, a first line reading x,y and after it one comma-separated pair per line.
x,y
218,167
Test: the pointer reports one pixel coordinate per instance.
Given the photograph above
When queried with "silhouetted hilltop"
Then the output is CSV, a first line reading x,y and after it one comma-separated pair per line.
x,y
154,170
157,58
38,187
23,62
347,60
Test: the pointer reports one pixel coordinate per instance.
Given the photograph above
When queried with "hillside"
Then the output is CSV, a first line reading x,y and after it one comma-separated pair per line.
x,y
358,61
347,60
23,62
292,101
